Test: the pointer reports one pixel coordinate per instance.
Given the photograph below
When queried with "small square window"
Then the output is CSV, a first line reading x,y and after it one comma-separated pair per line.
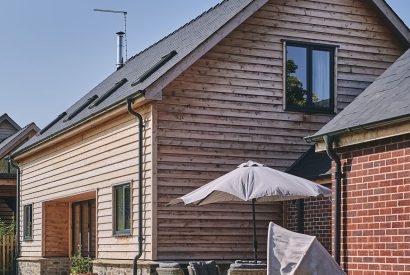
x,y
122,209
309,78
28,222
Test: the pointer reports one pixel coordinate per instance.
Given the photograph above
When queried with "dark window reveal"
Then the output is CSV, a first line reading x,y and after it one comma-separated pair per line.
x,y
309,78
28,222
122,210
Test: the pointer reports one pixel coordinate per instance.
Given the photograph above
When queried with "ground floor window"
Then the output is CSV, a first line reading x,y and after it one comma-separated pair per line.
x,y
28,222
122,209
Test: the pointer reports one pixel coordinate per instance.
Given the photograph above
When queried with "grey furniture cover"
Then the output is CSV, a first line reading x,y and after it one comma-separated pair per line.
x,y
291,253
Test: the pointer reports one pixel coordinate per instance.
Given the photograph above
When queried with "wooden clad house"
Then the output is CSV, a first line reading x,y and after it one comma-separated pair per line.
x,y
11,137
247,79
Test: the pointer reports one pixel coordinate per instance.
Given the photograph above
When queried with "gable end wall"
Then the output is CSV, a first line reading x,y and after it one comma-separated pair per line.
x,y
228,108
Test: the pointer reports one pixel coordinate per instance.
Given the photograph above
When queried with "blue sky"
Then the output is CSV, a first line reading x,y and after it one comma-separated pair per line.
x,y
53,52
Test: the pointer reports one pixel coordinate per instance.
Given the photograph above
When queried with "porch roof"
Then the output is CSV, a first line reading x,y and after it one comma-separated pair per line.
x,y
311,165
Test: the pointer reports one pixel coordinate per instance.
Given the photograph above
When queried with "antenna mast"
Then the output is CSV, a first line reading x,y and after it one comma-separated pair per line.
x,y
124,13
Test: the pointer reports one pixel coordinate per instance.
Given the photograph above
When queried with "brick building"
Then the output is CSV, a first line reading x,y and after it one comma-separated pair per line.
x,y
312,216
370,140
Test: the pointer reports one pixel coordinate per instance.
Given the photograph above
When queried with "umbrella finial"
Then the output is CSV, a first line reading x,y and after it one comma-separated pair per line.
x,y
251,163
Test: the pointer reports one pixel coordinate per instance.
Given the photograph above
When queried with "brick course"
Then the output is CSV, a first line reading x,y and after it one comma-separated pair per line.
x,y
376,207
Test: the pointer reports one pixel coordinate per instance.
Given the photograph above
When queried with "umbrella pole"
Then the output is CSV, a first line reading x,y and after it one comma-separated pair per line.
x,y
255,242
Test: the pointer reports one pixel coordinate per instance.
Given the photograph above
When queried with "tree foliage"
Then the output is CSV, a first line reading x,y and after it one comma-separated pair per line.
x,y
7,229
296,95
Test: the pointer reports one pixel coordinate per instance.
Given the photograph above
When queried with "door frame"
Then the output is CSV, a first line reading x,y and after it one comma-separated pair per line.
x,y
89,227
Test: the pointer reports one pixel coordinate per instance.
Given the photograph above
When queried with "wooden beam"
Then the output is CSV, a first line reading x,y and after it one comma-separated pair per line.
x,y
368,135
7,182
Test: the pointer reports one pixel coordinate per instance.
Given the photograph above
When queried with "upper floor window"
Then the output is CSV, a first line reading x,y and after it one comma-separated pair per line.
x,y
28,222
309,78
122,209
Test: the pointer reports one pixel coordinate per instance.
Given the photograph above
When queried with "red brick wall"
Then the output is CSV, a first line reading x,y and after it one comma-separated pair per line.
x,y
376,207
317,219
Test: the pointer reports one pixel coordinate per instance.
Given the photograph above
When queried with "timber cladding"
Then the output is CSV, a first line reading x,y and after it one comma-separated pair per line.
x,y
56,226
224,110
228,108
91,162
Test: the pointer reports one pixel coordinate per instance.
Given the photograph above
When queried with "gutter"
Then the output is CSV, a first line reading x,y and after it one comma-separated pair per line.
x,y
366,126
138,94
129,102
337,210
17,213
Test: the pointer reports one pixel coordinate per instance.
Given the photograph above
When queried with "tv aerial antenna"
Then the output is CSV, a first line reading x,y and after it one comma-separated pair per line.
x,y
124,13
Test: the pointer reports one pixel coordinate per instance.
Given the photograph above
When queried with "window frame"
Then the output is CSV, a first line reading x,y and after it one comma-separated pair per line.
x,y
25,222
310,47
125,232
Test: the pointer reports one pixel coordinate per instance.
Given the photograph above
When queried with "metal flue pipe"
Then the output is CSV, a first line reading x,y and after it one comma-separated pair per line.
x,y
120,48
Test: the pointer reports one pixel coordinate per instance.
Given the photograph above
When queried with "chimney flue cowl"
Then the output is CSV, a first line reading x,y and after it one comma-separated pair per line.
x,y
120,47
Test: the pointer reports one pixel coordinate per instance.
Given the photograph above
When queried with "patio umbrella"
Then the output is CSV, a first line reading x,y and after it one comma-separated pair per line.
x,y
254,182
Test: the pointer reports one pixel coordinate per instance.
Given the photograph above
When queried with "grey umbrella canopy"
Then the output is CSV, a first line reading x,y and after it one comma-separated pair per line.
x,y
254,182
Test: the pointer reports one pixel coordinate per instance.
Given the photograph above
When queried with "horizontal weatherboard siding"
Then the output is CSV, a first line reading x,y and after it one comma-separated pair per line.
x,y
228,108
92,162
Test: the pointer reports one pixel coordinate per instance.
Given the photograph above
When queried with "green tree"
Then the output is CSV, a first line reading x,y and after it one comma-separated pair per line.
x,y
7,229
296,95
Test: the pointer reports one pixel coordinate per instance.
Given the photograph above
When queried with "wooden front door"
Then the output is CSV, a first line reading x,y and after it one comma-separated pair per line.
x,y
83,228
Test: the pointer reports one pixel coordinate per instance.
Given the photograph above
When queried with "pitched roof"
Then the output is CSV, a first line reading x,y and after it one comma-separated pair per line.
x,y
12,142
153,65
10,120
184,41
311,165
387,99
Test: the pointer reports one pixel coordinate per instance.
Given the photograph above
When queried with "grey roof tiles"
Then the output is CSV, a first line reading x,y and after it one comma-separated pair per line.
x,y
184,40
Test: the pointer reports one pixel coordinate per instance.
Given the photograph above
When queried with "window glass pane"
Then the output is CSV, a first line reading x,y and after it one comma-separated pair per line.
x,y
127,209
119,213
296,76
30,218
321,78
27,221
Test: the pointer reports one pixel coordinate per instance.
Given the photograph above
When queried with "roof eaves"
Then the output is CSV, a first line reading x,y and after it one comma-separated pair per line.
x,y
395,20
107,109
6,176
367,126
